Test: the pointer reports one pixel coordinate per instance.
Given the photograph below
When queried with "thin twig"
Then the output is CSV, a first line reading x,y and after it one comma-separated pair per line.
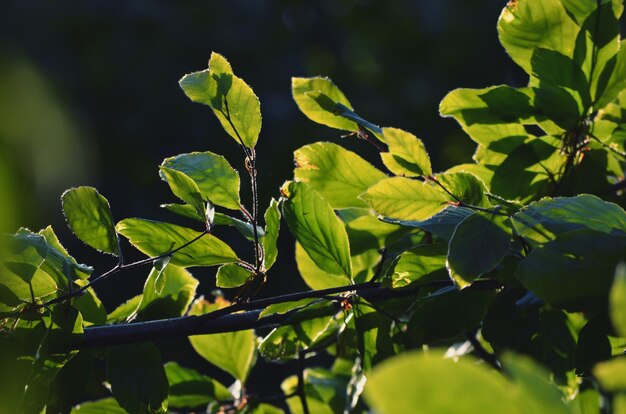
x,y
301,392
482,353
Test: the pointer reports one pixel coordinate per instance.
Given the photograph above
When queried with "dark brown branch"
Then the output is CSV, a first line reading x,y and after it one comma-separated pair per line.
x,y
301,391
229,320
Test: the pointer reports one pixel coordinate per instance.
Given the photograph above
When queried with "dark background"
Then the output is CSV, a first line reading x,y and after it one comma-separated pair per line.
x,y
89,96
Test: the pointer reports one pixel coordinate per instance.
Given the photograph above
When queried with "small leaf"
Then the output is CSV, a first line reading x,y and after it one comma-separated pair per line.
x,y
184,188
177,291
156,238
232,100
137,377
192,390
407,155
421,264
404,199
282,308
217,181
465,187
441,224
320,110
316,227
339,175
159,266
89,216
232,276
478,245
245,228
617,300
233,352
272,226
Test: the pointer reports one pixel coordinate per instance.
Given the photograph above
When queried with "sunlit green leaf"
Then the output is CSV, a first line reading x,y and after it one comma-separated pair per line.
x,y
233,352
321,111
272,226
156,238
232,275
315,277
177,292
404,199
184,188
612,374
216,180
325,392
105,406
407,155
441,224
419,265
339,175
232,100
544,220
89,216
282,308
137,377
316,227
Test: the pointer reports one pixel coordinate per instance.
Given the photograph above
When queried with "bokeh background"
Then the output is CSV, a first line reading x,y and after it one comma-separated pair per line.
x,y
89,96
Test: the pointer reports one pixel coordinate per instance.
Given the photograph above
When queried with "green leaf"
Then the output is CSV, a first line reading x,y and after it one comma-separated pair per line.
x,y
245,228
407,155
217,181
394,387
374,332
105,406
534,381
593,345
232,275
404,199
184,188
287,340
575,270
137,377
313,276
321,110
192,390
233,352
617,80
91,308
612,374
177,292
70,382
465,187
478,245
325,391
339,175
155,238
282,308
232,100
78,271
419,265
544,220
316,227
617,300
125,311
272,226
441,224
89,216
491,114
526,25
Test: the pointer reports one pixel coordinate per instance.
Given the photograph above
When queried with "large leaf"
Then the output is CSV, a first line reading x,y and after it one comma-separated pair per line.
x,y
617,300
424,383
407,155
89,216
137,378
478,245
232,100
339,175
104,406
190,389
323,109
313,276
272,226
575,270
544,220
316,227
156,238
525,25
217,181
232,352
404,199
